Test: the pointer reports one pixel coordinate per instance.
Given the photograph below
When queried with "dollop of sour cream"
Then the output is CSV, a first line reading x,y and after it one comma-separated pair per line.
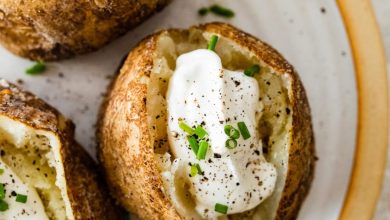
x,y
32,209
202,93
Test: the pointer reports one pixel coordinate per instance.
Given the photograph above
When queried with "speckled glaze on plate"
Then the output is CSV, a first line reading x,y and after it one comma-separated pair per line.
x,y
310,34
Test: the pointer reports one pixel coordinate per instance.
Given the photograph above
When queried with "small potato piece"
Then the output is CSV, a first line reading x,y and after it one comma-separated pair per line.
x,y
56,29
49,160
133,141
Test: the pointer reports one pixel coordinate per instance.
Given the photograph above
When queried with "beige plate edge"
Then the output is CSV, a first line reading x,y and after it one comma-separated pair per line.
x,y
373,116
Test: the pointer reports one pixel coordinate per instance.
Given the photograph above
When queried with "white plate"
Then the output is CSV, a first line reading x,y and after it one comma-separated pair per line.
x,y
310,34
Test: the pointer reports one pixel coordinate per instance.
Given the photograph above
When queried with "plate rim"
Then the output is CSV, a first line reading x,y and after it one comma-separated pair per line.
x,y
370,64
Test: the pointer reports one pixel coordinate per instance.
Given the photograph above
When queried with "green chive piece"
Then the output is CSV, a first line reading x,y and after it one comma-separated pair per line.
x,y
36,69
186,128
251,71
203,11
222,11
244,130
203,147
231,132
212,43
231,143
21,198
194,144
3,205
221,208
200,132
199,169
2,191
227,129
1,171
195,170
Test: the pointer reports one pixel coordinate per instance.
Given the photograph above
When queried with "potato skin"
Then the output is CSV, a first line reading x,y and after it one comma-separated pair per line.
x,y
131,172
56,29
126,153
87,192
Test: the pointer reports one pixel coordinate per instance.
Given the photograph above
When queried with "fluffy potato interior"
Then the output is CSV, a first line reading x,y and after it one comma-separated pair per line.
x,y
274,128
34,156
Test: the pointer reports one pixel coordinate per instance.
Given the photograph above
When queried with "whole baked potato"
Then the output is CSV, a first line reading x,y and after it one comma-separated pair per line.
x,y
135,129
45,174
55,29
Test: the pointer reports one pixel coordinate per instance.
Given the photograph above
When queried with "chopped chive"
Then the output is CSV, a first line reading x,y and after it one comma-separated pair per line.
x,y
195,170
21,198
1,171
222,11
220,208
2,191
198,167
203,147
231,143
212,43
244,130
37,68
251,71
3,205
200,132
186,128
231,132
203,11
194,144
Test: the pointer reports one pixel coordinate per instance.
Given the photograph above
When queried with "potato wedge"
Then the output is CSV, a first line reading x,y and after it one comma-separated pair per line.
x,y
36,143
132,140
54,29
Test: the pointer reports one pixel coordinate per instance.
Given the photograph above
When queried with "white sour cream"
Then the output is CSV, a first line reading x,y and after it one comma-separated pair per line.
x,y
201,92
31,210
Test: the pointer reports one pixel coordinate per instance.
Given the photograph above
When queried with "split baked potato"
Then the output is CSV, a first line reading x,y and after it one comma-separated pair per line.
x,y
55,29
132,128
45,174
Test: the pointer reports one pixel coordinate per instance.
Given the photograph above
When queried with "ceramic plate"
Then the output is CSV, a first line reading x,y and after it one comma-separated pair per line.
x,y
310,34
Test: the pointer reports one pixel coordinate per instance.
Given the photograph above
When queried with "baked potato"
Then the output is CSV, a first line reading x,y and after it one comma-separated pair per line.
x,y
54,29
45,174
134,144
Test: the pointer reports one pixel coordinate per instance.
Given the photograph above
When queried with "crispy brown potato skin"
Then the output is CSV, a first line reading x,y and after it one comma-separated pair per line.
x,y
87,192
57,29
126,152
